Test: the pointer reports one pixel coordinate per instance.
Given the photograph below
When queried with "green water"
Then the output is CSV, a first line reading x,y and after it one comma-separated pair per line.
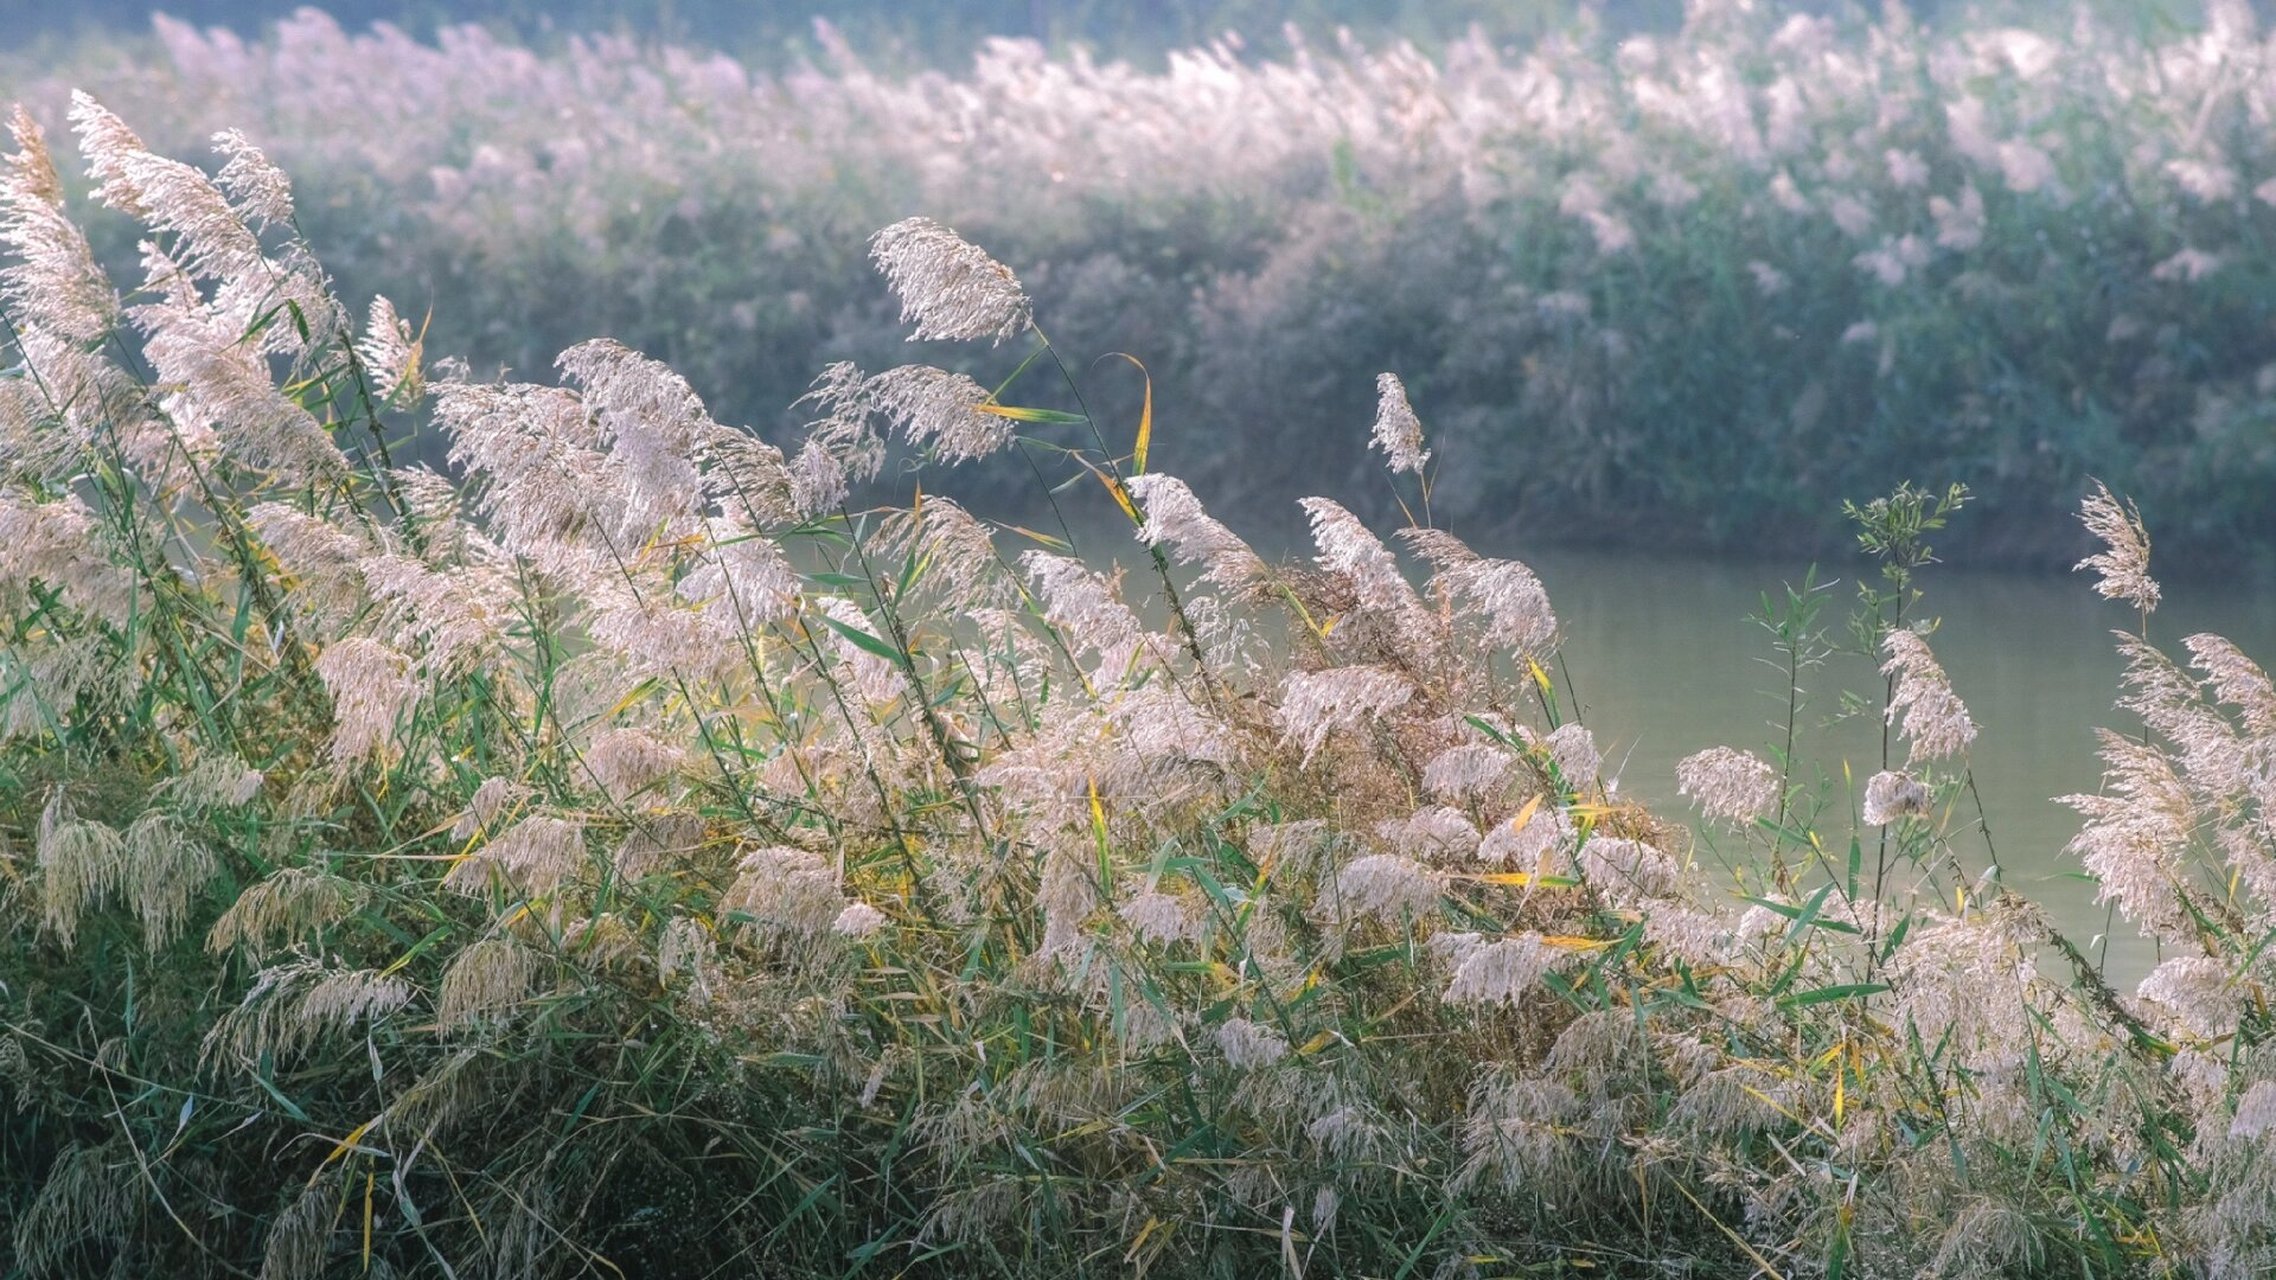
x,y
1665,662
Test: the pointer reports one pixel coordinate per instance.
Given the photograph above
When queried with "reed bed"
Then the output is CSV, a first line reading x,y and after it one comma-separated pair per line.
x,y
621,849
1665,288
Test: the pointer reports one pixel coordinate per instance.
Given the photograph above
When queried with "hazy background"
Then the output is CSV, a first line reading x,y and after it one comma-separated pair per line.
x,y
945,29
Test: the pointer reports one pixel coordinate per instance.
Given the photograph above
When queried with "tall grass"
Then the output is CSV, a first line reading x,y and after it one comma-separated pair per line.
x,y
614,852
1669,288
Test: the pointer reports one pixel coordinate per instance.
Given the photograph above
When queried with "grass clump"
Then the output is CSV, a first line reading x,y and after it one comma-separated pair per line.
x,y
618,852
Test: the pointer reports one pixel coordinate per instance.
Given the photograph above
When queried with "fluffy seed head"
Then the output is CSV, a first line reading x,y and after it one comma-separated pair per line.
x,y
1890,796
1398,432
1500,973
1935,720
1728,785
949,288
2124,561
1248,1045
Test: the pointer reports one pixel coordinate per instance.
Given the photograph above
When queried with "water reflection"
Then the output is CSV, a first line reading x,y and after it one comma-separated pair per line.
x,y
1666,662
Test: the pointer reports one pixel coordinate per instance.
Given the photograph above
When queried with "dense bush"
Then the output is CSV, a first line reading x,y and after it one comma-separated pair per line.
x,y
1679,288
618,853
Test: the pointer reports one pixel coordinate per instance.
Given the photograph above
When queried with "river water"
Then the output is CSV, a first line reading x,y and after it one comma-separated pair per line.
x,y
1665,662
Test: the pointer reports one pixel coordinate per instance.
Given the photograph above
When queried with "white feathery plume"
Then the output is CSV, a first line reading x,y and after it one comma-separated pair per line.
x,y
1388,886
1534,839
454,617
80,864
1160,918
1346,547
950,288
535,856
1728,785
787,890
1501,972
840,448
2199,993
219,385
859,920
939,410
878,680
390,353
1083,605
258,190
1935,720
550,495
60,545
290,905
740,579
2236,680
485,981
958,554
323,562
2136,834
2124,561
1398,432
1314,704
818,480
1176,519
1893,795
166,871
372,688
168,195
1155,723
495,796
1573,748
1627,871
625,762
53,287
748,478
2255,1111
1502,595
1435,833
1248,1045
651,422
1468,773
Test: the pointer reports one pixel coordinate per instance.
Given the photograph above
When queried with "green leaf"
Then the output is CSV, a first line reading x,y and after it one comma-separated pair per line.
x,y
1825,995
1018,413
867,642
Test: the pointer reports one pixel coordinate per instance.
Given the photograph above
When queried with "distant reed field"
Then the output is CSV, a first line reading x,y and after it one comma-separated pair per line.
x,y
1674,289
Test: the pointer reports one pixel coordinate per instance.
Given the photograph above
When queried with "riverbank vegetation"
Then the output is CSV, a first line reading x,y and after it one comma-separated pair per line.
x,y
623,849
1678,288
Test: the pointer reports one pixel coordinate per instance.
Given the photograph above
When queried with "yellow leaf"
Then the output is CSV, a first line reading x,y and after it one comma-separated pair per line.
x,y
1525,814
1122,499
1098,811
1145,418
1540,677
1114,489
348,1143
1316,1043
1044,538
1506,877
1840,1090
1568,942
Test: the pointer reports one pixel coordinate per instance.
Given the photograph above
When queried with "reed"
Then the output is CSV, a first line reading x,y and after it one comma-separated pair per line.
x,y
622,849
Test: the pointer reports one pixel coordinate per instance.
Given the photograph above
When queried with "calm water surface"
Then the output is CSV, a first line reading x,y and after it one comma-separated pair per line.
x,y
1665,662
